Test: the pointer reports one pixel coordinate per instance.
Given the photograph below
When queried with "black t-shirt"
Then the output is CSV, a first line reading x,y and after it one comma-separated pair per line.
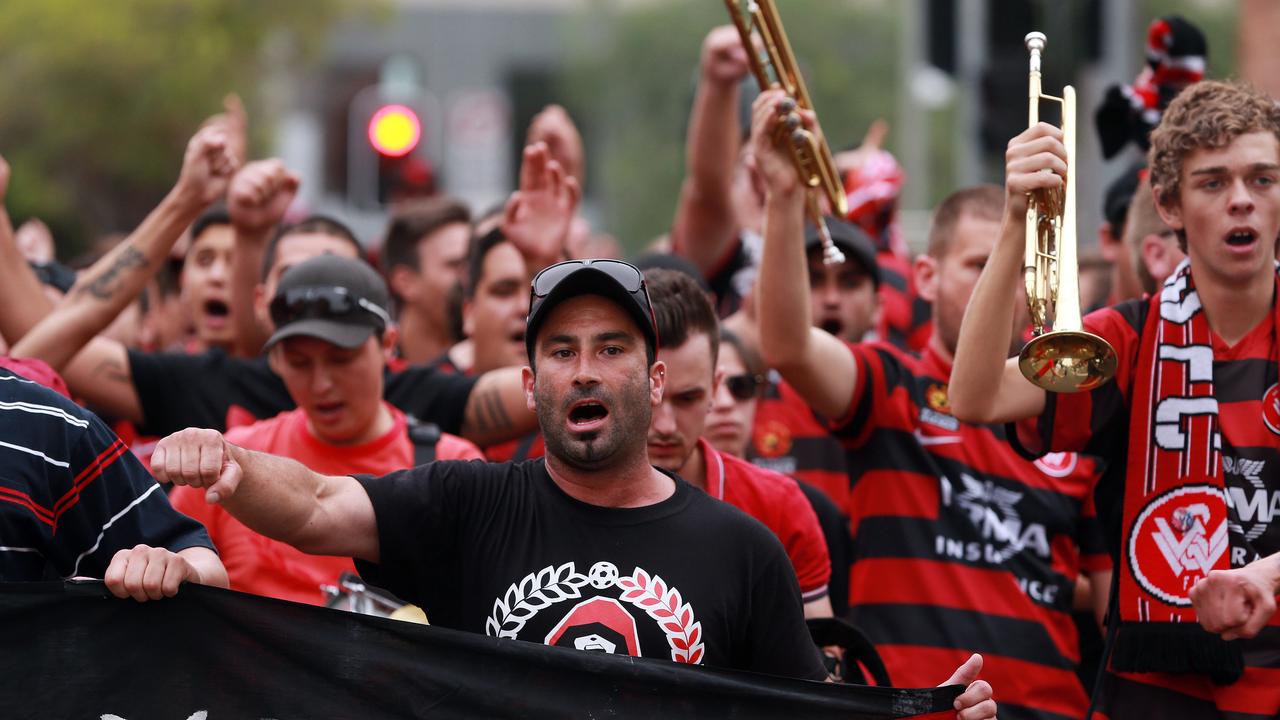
x,y
214,390
500,549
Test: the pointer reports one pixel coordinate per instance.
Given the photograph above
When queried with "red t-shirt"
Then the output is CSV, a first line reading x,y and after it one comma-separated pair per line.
x,y
777,502
262,566
960,545
1244,384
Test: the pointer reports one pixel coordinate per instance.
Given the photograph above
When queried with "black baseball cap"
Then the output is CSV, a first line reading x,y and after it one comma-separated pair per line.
x,y
336,299
619,281
852,241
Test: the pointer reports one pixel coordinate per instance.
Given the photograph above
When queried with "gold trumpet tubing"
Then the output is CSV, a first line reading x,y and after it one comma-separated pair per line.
x,y
1066,311
774,64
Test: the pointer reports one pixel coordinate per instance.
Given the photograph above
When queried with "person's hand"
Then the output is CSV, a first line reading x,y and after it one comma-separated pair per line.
x,y
260,194
553,126
872,143
724,60
538,215
1035,160
147,573
976,702
234,121
1237,603
207,166
774,119
199,458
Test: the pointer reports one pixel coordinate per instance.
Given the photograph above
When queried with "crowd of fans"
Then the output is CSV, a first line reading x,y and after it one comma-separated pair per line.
x,y
305,406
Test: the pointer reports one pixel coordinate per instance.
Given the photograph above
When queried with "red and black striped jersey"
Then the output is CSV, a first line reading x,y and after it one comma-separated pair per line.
x,y
787,437
906,320
960,545
1097,422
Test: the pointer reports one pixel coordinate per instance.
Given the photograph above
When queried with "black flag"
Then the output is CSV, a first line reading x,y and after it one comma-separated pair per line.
x,y
74,651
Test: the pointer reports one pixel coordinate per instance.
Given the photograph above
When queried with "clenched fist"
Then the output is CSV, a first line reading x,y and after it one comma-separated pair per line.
x,y
199,458
207,166
260,195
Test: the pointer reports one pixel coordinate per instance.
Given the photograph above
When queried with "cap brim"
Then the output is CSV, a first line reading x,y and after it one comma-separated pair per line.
x,y
863,255
343,335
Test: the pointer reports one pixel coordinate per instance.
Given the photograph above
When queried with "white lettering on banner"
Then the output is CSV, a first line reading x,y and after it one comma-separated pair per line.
x,y
1169,417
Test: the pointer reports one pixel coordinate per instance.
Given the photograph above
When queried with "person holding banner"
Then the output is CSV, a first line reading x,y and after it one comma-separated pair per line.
x,y
590,548
1189,425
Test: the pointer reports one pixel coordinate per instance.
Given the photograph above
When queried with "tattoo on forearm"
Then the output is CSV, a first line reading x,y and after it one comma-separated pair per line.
x,y
490,414
106,284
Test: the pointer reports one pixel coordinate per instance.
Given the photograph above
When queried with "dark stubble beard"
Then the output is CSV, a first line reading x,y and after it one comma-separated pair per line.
x,y
624,434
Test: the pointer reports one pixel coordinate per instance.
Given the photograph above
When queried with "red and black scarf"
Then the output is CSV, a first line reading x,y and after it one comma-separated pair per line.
x,y
1175,511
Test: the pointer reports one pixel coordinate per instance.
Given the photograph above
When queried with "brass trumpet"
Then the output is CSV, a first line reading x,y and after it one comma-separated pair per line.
x,y
774,65
1066,358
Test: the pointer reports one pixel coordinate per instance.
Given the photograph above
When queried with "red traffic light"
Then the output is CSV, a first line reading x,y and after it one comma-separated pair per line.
x,y
394,130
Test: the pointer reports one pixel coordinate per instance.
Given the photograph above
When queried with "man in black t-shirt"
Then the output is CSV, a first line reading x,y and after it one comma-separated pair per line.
x,y
591,548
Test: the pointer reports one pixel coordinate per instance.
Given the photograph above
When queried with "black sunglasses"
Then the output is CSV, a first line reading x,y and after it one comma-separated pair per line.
x,y
325,303
744,387
625,274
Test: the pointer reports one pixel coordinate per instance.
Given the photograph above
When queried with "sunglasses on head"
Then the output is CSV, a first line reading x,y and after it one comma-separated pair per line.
x,y
324,303
744,387
625,274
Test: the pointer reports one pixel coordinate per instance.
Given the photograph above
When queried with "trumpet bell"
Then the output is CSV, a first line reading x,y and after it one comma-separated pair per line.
x,y
1067,361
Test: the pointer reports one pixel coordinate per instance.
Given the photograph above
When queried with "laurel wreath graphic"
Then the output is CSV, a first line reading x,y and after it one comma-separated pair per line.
x,y
534,592
666,606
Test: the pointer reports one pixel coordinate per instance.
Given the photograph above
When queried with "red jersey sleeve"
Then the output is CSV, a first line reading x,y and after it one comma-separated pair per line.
x,y
880,394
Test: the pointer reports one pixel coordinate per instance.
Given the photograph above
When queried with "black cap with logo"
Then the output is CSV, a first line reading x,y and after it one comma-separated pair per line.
x,y
336,299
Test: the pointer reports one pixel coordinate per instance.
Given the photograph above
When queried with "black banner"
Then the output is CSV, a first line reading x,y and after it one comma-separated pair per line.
x,y
74,651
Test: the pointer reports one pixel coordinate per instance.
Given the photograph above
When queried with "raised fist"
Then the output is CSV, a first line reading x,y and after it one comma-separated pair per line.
x,y
200,458
724,60
260,194
207,166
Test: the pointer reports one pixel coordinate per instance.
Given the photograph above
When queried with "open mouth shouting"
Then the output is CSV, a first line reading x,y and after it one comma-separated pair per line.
x,y
587,415
1241,239
217,313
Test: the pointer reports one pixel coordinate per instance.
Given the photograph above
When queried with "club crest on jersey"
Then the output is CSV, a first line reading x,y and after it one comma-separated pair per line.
x,y
1057,464
772,439
1174,541
938,408
600,621
1271,409
936,396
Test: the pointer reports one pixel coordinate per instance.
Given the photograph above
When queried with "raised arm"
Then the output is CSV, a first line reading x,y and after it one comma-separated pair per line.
x,y
21,294
275,496
986,386
257,200
704,227
818,365
109,285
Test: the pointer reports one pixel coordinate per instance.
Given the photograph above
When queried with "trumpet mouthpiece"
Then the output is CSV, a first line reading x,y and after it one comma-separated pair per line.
x,y
1035,41
831,255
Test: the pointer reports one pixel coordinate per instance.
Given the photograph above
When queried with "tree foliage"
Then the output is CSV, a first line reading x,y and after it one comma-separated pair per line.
x,y
97,99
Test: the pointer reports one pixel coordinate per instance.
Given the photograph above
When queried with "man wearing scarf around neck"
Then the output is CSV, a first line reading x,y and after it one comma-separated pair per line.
x,y
1190,426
